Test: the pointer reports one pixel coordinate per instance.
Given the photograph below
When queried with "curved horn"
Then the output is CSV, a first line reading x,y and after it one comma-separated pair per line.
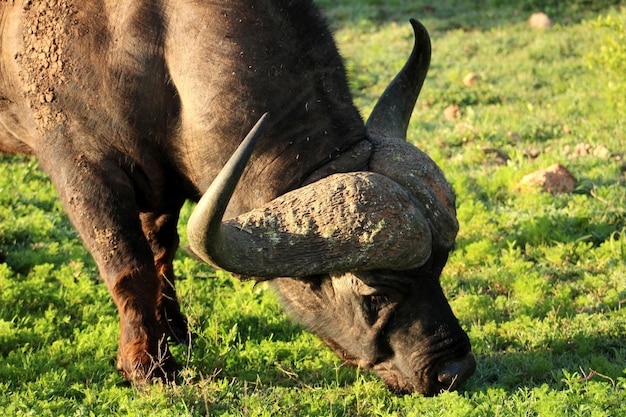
x,y
390,117
206,218
359,220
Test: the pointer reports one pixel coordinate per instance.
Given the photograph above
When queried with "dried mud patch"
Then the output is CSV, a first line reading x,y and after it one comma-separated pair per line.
x,y
45,34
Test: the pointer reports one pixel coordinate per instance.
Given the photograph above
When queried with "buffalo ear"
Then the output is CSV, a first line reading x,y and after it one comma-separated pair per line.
x,y
391,115
306,299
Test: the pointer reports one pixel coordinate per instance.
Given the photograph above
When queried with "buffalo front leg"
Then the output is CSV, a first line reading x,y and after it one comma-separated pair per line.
x,y
101,202
161,232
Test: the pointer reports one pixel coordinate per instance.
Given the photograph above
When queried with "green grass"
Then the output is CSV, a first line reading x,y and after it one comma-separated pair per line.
x,y
538,281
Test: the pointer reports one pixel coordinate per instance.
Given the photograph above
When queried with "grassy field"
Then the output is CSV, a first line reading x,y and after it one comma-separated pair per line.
x,y
537,280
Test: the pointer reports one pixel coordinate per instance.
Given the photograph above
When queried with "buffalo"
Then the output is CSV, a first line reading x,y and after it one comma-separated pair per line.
x,y
133,107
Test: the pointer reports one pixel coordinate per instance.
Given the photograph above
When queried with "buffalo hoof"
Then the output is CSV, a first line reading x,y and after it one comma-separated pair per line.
x,y
142,368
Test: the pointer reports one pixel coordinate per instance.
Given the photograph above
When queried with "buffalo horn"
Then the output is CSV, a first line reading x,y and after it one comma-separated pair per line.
x,y
207,216
390,117
399,160
347,221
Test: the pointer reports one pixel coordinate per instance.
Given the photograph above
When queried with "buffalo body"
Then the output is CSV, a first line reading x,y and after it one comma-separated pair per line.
x,y
134,106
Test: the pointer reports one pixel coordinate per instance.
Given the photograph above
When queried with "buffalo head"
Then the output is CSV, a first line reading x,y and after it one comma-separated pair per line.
x,y
357,256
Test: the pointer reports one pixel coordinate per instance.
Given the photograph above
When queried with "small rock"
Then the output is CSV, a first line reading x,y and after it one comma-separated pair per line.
x,y
540,21
581,149
555,179
470,79
451,112
515,137
602,151
532,153
585,149
500,156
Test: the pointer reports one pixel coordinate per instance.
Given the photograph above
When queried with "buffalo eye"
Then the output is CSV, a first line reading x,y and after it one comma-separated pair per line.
x,y
372,305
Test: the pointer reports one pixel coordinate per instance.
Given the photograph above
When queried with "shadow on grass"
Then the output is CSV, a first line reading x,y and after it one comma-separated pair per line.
x,y
599,358
255,328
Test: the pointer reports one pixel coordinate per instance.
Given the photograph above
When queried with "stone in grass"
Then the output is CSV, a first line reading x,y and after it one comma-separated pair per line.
x,y
470,79
555,179
540,21
451,112
585,149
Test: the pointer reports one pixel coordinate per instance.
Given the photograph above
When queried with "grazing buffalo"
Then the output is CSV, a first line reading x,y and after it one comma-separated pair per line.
x,y
135,106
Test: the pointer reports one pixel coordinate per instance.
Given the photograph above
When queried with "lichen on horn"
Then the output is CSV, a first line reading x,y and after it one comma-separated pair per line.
x,y
415,171
352,221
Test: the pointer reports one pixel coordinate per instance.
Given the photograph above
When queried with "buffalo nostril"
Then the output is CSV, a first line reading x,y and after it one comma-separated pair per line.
x,y
448,375
455,373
